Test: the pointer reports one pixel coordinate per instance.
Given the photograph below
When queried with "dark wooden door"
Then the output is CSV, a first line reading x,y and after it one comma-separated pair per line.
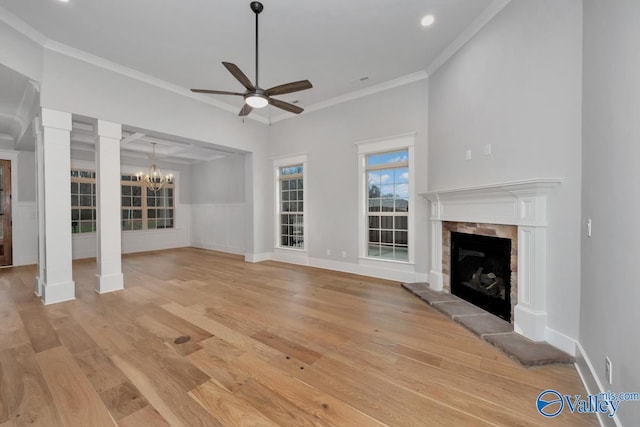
x,y
5,212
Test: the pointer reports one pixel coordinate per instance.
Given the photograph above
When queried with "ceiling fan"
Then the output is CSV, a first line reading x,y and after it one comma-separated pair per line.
x,y
254,96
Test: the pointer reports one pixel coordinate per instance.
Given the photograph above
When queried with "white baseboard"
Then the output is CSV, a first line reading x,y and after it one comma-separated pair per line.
x,y
389,273
592,383
219,248
291,257
530,323
259,257
561,341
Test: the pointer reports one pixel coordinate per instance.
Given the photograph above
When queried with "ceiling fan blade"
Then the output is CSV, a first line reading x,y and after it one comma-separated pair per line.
x,y
239,75
216,92
286,106
246,109
289,88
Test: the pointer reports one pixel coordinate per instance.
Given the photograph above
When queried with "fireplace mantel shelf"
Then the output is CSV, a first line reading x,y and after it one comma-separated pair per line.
x,y
516,202
529,186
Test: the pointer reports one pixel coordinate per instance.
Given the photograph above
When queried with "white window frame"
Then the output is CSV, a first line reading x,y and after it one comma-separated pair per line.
x,y
381,145
277,164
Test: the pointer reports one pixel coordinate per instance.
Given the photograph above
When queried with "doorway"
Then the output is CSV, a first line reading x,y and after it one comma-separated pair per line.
x,y
5,213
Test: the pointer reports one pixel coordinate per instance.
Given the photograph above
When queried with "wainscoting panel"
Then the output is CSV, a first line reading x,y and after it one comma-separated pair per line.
x,y
218,227
25,234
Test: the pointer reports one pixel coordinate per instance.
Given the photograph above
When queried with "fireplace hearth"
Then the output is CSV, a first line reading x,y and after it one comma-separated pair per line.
x,y
481,273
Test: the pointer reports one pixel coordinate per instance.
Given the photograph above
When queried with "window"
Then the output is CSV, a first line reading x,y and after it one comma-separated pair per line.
x,y
83,201
141,208
290,194
144,209
386,183
292,207
388,204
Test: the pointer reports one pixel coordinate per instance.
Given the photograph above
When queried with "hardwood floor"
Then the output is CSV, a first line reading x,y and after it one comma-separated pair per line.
x,y
270,344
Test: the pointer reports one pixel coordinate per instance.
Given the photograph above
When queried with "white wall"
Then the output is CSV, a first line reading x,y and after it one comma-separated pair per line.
x,y
611,131
219,181
218,212
517,86
20,53
83,88
328,138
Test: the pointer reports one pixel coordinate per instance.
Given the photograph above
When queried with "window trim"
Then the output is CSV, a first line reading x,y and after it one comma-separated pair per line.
x,y
277,164
382,145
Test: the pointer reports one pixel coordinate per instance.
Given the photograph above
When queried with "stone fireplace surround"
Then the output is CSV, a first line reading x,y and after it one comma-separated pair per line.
x,y
519,203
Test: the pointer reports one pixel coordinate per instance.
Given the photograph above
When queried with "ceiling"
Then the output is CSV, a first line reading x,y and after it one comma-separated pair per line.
x,y
333,43
137,145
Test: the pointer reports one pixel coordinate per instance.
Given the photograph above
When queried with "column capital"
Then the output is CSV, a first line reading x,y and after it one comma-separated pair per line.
x,y
56,119
108,129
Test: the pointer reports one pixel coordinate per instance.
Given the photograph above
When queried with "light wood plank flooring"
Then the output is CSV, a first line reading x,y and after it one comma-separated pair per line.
x,y
270,344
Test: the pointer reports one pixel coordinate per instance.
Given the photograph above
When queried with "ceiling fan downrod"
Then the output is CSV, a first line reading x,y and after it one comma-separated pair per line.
x,y
256,7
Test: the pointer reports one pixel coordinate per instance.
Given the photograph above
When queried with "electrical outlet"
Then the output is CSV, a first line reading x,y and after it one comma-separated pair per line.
x,y
589,227
607,370
467,155
328,252
344,254
487,149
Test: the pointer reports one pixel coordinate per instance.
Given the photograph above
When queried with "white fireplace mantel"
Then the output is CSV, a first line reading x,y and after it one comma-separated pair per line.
x,y
513,203
520,203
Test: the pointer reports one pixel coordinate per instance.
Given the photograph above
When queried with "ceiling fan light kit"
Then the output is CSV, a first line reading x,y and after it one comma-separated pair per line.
x,y
254,96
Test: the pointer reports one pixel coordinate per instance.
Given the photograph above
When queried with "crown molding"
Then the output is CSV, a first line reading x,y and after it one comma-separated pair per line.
x,y
22,27
137,75
380,87
487,15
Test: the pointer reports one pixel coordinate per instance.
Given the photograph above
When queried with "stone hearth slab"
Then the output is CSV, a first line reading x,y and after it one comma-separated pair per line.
x,y
417,287
490,328
457,308
483,324
433,297
527,352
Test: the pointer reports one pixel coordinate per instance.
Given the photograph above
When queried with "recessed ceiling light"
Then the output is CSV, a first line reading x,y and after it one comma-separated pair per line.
x,y
63,1
427,20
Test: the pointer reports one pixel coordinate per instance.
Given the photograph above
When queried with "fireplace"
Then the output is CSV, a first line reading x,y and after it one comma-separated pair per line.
x,y
521,205
481,273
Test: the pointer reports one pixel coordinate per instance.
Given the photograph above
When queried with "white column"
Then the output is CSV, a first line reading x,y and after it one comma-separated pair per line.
x,y
109,264
39,162
58,282
435,273
530,315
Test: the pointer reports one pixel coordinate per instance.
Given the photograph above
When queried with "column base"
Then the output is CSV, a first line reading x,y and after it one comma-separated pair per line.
x,y
58,292
109,283
530,323
38,287
435,280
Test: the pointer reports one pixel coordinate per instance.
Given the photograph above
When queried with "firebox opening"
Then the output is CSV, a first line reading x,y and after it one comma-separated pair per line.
x,y
481,272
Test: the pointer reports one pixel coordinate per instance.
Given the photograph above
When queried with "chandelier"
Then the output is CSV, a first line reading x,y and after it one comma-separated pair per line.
x,y
154,179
